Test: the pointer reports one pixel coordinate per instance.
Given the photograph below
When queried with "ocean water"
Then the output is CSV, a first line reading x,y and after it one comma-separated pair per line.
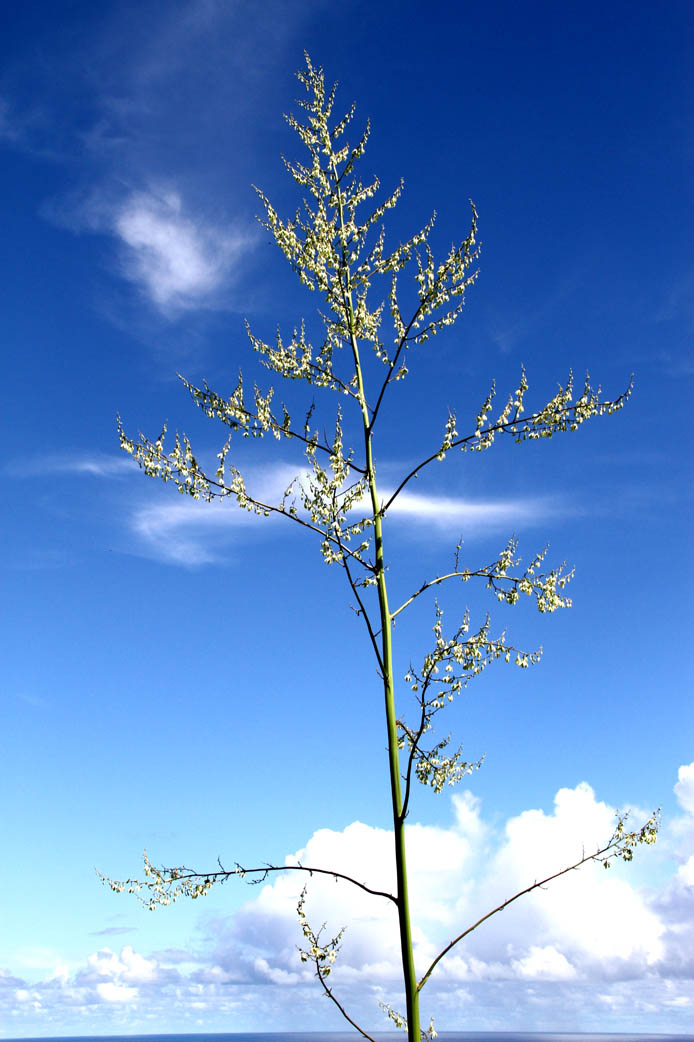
x,y
379,1036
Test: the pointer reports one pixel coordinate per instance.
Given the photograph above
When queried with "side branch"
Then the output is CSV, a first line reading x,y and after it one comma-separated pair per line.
x,y
540,425
329,992
166,885
621,845
464,575
239,418
392,367
181,467
414,745
363,612
323,956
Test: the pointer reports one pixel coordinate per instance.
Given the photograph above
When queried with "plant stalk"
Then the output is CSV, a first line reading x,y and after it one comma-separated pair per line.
x,y
403,900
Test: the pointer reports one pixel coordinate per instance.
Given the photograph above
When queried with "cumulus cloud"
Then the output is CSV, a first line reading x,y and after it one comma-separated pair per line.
x,y
684,789
590,949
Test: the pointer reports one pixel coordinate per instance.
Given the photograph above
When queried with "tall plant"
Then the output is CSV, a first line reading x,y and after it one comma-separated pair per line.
x,y
336,246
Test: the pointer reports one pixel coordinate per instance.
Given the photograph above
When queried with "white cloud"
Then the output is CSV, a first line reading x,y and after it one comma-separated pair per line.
x,y
111,992
454,511
685,873
178,261
182,532
684,789
590,941
178,258
192,533
546,963
100,465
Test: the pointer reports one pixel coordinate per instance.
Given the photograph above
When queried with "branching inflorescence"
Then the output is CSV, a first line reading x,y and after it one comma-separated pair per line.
x,y
336,244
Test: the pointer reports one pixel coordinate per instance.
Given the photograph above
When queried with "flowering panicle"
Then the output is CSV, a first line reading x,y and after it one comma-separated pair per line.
x,y
623,842
163,886
561,413
336,244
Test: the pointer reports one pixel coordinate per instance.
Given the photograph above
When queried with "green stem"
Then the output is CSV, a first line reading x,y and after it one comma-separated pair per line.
x,y
403,900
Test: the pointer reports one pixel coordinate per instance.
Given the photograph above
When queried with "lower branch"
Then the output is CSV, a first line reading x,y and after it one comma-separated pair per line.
x,y
323,956
166,885
329,992
621,845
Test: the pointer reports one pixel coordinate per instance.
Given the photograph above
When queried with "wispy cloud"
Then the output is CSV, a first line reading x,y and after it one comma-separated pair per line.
x,y
193,533
9,131
157,139
112,931
99,465
187,532
179,259
454,511
183,531
178,262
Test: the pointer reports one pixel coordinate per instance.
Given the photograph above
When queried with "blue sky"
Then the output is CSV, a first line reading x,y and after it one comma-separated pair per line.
x,y
183,679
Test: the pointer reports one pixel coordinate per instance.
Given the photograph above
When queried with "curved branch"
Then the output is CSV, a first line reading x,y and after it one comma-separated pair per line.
x,y
479,574
182,879
514,426
329,992
598,855
414,743
275,426
363,612
207,491
394,361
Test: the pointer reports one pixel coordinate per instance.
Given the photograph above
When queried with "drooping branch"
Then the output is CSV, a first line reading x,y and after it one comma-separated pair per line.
x,y
621,845
323,956
180,466
166,885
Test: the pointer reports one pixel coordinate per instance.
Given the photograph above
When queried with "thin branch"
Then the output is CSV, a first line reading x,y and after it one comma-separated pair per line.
x,y
346,389
413,748
183,875
480,574
263,508
343,1011
512,426
275,425
570,868
363,612
394,361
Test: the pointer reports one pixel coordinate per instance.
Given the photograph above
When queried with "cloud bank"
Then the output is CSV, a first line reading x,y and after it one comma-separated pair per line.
x,y
590,952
